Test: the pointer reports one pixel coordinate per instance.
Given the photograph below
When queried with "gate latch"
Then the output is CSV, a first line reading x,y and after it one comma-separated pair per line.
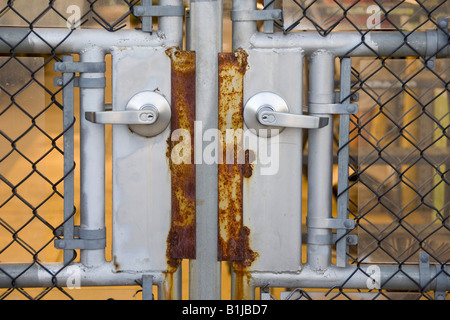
x,y
147,114
267,109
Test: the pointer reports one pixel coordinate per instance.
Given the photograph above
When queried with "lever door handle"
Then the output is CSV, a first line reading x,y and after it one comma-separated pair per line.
x,y
269,111
266,116
123,117
147,113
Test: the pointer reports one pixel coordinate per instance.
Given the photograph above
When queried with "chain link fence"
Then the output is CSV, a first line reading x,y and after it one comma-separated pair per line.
x,y
399,187
31,139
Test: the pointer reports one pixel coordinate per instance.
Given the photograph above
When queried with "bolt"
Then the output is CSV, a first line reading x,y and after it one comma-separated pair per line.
x,y
61,67
443,23
424,257
59,82
62,244
348,224
351,108
349,240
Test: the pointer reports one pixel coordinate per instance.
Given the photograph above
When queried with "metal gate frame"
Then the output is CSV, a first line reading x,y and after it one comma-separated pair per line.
x,y
204,33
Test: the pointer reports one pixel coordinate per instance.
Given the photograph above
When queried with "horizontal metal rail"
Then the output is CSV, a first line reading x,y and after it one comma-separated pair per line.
x,y
355,44
390,277
60,40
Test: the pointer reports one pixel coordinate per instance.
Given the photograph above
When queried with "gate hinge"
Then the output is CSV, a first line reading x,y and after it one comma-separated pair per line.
x,y
82,82
83,239
81,67
147,11
257,15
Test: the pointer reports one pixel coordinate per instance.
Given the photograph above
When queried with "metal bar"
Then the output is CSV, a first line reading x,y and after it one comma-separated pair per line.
x,y
392,277
69,161
146,117
232,67
45,275
146,20
60,40
147,287
206,40
181,241
243,30
268,25
320,161
92,159
343,163
353,44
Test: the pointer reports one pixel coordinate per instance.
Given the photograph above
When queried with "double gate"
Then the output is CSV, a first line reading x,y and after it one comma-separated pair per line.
x,y
306,158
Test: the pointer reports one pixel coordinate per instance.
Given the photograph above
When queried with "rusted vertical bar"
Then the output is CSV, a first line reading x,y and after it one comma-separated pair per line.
x,y
181,239
232,67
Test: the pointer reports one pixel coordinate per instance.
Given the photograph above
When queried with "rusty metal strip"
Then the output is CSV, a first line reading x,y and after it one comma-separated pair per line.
x,y
232,234
181,238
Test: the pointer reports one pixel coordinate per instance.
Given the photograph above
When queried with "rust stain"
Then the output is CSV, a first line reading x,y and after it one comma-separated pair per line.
x,y
180,153
247,169
234,163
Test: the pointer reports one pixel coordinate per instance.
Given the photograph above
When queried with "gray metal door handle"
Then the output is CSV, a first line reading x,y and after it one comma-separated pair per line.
x,y
267,110
123,117
147,113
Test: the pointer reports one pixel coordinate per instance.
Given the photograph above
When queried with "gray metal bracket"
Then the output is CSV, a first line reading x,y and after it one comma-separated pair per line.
x,y
82,82
441,283
147,287
147,11
332,223
83,239
436,40
81,67
257,15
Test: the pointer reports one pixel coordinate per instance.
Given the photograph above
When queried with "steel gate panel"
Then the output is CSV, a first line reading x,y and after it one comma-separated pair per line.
x,y
273,193
141,172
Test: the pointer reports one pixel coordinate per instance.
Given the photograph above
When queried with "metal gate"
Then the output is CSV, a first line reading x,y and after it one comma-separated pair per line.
x,y
224,149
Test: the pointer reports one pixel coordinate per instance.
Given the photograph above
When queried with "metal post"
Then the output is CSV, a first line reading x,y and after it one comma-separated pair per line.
x,y
343,162
92,159
243,30
320,161
206,40
172,27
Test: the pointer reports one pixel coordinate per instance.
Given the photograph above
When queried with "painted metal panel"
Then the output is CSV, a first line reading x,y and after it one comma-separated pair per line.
x,y
141,169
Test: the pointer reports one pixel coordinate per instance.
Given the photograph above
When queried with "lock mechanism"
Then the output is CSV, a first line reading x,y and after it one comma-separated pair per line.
x,y
147,114
269,111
